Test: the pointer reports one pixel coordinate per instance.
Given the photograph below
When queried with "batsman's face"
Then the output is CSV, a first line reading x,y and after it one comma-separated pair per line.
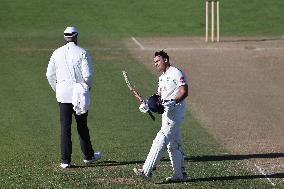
x,y
160,64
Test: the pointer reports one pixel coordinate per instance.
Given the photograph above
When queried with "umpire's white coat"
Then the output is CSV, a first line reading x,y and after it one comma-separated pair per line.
x,y
68,64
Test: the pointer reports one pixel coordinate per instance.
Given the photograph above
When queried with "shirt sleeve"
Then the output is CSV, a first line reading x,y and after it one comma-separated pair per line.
x,y
180,78
87,69
51,73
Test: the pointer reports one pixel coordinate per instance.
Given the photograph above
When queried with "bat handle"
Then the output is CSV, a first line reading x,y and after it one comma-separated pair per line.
x,y
151,115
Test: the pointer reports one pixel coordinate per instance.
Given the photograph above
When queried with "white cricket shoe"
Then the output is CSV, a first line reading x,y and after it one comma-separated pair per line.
x,y
96,157
184,178
140,172
65,165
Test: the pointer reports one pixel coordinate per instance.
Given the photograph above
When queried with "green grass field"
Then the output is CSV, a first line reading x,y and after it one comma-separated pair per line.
x,y
29,119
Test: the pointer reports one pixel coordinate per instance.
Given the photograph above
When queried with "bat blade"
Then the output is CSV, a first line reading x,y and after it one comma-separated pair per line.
x,y
134,92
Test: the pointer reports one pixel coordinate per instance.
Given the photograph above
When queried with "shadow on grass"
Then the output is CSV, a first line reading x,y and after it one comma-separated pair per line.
x,y
204,159
233,157
194,159
227,178
118,163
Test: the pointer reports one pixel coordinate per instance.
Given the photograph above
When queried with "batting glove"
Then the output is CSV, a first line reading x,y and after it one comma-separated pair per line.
x,y
169,105
143,108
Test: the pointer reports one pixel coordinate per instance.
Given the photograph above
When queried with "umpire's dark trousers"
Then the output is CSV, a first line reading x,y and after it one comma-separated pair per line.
x,y
66,112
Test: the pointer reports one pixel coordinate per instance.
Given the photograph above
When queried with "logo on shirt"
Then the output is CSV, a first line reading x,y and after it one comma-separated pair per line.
x,y
182,80
162,89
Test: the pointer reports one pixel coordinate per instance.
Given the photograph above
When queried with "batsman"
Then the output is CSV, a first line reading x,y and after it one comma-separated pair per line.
x,y
170,102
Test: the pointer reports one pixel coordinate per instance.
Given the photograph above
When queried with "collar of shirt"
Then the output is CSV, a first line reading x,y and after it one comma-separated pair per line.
x,y
70,44
167,71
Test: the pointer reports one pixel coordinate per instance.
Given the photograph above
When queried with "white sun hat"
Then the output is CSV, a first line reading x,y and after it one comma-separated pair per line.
x,y
70,32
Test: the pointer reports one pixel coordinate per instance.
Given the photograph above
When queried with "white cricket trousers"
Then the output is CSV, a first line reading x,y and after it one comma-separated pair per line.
x,y
168,137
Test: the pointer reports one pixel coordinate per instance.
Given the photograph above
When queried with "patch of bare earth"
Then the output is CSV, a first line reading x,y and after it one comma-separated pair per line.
x,y
236,91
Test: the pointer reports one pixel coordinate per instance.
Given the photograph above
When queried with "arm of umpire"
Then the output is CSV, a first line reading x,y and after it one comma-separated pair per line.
x,y
51,73
87,69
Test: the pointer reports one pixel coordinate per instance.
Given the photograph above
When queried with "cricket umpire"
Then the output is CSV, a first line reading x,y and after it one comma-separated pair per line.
x,y
70,75
172,89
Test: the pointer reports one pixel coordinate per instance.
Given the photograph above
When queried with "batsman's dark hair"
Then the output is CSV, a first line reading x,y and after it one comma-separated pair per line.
x,y
162,54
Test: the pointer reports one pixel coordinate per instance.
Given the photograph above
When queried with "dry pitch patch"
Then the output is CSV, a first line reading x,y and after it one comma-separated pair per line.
x,y
236,92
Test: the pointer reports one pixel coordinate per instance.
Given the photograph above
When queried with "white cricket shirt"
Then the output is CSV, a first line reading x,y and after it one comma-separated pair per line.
x,y
68,64
169,82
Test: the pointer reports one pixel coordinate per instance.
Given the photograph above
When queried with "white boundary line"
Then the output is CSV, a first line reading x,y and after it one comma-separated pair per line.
x,y
263,173
138,43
